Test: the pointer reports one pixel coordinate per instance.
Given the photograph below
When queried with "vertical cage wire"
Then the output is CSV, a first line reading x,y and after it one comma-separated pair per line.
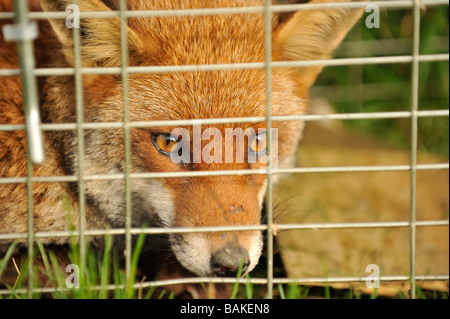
x,y
25,51
269,195
127,141
414,129
79,109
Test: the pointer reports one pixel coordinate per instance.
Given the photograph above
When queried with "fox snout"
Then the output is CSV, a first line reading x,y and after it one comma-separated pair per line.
x,y
207,255
229,260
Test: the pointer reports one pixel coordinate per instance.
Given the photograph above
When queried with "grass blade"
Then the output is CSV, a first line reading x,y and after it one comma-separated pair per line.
x,y
134,261
236,284
105,269
5,260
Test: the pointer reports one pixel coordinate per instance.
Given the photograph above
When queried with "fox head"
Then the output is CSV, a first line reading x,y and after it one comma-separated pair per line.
x,y
188,40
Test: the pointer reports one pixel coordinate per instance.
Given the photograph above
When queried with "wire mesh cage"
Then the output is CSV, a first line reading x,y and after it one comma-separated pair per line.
x,y
412,58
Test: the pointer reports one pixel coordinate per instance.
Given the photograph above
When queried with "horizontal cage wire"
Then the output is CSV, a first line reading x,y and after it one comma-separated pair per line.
x,y
272,227
232,66
221,11
212,229
255,281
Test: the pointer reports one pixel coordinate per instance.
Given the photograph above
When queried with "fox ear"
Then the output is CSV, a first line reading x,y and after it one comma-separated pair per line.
x,y
100,37
313,35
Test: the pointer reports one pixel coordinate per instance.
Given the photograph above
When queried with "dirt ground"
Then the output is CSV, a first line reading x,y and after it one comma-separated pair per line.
x,y
361,197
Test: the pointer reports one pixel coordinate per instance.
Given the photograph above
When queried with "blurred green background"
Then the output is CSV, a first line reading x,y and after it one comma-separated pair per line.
x,y
385,88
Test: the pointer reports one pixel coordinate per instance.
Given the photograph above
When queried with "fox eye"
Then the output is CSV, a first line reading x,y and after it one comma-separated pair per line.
x,y
164,143
258,144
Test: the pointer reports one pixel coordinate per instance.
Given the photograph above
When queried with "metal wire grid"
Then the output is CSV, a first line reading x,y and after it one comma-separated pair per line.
x,y
21,15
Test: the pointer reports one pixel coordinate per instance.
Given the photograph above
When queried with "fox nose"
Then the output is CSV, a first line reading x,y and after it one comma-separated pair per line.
x,y
226,262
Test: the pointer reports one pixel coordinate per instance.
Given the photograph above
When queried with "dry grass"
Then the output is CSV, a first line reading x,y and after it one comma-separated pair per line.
x,y
362,197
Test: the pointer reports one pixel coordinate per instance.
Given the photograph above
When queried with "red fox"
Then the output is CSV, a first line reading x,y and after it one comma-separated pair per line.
x,y
164,41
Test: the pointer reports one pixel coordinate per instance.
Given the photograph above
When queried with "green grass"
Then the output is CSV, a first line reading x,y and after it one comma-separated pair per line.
x,y
104,277
385,88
